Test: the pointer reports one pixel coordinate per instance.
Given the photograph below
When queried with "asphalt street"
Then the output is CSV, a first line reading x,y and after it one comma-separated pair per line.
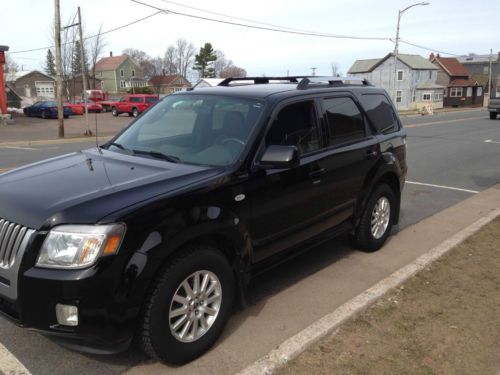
x,y
451,157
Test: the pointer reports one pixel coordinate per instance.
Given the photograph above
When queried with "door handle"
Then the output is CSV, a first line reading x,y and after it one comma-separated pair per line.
x,y
371,154
317,173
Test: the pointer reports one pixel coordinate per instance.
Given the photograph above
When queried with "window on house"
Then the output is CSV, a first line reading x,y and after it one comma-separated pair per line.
x,y
133,73
122,84
400,75
479,91
399,96
438,97
413,97
122,73
426,97
498,90
486,69
102,84
430,75
455,92
469,92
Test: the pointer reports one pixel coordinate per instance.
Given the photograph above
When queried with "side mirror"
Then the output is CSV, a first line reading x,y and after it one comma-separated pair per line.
x,y
280,157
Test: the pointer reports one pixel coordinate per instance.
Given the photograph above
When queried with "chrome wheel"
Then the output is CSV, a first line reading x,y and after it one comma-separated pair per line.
x,y
381,215
195,306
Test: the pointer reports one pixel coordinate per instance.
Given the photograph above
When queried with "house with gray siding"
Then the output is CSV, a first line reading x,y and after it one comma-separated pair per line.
x,y
410,80
32,84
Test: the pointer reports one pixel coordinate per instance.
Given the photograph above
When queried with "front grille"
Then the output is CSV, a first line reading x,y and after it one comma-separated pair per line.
x,y
14,239
11,238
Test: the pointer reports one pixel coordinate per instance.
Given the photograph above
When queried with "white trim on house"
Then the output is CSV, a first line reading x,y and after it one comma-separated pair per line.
x,y
454,92
469,92
426,94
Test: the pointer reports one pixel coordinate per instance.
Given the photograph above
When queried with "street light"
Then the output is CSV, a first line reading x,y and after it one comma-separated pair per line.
x,y
396,44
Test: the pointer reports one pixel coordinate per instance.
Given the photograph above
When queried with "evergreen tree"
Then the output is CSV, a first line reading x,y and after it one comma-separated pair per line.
x,y
203,61
50,65
76,64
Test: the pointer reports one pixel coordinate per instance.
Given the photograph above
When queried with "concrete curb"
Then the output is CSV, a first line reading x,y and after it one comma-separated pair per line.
x,y
297,344
101,137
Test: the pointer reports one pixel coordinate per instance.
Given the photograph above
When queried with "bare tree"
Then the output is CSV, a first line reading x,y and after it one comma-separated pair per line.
x,y
221,63
97,44
335,69
232,71
170,60
11,68
184,56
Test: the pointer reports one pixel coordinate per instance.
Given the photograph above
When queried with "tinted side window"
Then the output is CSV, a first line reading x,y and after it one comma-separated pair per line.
x,y
345,122
295,126
380,112
135,99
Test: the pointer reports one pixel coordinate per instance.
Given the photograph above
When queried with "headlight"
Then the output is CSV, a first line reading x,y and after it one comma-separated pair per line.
x,y
79,246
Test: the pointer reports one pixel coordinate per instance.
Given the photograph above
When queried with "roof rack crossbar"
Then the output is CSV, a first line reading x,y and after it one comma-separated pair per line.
x,y
317,82
261,80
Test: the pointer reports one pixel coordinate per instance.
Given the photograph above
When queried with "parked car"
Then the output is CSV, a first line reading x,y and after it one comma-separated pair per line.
x,y
134,105
96,95
46,109
157,233
494,107
91,106
76,109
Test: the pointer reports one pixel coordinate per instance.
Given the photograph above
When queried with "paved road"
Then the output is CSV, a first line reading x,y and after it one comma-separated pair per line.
x,y
449,161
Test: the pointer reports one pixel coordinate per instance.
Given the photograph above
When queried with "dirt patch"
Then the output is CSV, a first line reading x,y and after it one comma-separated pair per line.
x,y
445,320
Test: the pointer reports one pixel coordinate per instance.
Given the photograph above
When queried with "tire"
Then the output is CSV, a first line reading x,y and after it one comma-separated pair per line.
x,y
364,238
156,335
493,115
43,115
114,111
66,116
130,114
135,112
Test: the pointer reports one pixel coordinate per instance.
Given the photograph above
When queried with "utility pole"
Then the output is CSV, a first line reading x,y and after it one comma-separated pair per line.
x,y
84,75
490,86
313,69
57,31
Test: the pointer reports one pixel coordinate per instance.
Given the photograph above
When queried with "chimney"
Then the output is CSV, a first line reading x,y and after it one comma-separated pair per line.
x,y
110,53
431,56
438,55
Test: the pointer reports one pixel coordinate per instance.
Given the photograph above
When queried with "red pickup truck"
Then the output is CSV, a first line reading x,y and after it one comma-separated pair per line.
x,y
134,104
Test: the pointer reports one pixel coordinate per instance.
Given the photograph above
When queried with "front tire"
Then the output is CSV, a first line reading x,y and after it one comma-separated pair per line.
x,y
43,115
377,219
114,111
135,112
188,306
493,115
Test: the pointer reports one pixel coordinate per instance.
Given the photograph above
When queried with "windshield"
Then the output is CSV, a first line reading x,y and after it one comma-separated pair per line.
x,y
195,129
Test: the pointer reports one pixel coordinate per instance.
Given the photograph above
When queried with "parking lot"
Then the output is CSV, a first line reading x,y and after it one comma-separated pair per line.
x,y
451,157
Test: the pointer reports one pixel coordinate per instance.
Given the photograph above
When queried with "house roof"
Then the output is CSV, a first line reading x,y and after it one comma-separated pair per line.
x,y
210,81
481,79
12,77
110,63
462,82
452,66
478,59
164,80
415,62
428,85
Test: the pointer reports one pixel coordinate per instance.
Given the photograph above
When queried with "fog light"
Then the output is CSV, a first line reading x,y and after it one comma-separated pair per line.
x,y
67,315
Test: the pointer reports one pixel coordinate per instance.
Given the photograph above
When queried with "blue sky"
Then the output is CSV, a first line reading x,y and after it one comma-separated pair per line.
x,y
455,26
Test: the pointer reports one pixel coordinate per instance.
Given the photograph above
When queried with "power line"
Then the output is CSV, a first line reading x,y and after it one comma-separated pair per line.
x,y
428,48
92,36
289,31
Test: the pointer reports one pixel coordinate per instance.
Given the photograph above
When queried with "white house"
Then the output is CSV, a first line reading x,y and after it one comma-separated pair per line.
x,y
411,83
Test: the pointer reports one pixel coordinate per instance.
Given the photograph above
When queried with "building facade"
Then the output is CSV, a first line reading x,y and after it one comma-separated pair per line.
x,y
117,74
32,84
479,69
168,84
410,80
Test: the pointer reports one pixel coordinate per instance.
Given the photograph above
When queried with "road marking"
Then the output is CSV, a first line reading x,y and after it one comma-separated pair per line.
x,y
442,122
491,141
20,148
295,345
9,364
443,187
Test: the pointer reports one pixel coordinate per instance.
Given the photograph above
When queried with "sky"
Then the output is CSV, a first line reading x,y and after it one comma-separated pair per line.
x,y
453,26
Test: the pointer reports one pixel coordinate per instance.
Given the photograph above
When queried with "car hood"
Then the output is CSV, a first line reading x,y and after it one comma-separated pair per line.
x,y
86,186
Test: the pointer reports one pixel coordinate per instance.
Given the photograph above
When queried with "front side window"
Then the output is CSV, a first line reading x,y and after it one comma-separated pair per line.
x,y
380,112
345,122
295,125
194,129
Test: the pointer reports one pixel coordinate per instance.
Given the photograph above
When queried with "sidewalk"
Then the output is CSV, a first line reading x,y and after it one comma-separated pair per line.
x,y
445,320
405,113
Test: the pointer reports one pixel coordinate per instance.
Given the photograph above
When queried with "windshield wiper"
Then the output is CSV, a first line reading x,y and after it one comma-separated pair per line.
x,y
158,155
120,146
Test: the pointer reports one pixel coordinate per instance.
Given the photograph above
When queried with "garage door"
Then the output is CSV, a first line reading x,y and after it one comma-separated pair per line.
x,y
45,89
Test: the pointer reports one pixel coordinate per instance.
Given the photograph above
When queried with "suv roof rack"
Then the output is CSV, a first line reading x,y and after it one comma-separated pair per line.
x,y
317,82
262,80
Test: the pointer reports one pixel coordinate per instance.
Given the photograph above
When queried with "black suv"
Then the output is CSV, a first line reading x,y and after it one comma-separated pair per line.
x,y
156,233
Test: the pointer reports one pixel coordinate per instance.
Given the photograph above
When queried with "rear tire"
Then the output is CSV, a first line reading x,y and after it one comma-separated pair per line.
x,y
377,220
43,115
135,112
114,111
208,305
493,115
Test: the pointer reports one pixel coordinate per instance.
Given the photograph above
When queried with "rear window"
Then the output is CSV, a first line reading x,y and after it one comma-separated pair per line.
x,y
345,123
135,99
380,112
151,99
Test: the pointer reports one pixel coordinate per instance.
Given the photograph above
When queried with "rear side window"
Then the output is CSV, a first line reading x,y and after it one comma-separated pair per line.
x,y
380,112
136,99
151,99
344,120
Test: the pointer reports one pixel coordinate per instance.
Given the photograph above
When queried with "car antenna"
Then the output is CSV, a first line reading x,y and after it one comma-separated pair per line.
x,y
96,138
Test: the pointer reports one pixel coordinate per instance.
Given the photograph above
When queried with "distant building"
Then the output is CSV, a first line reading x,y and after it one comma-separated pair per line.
x,y
479,69
118,74
32,84
73,87
208,82
461,89
168,84
411,83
